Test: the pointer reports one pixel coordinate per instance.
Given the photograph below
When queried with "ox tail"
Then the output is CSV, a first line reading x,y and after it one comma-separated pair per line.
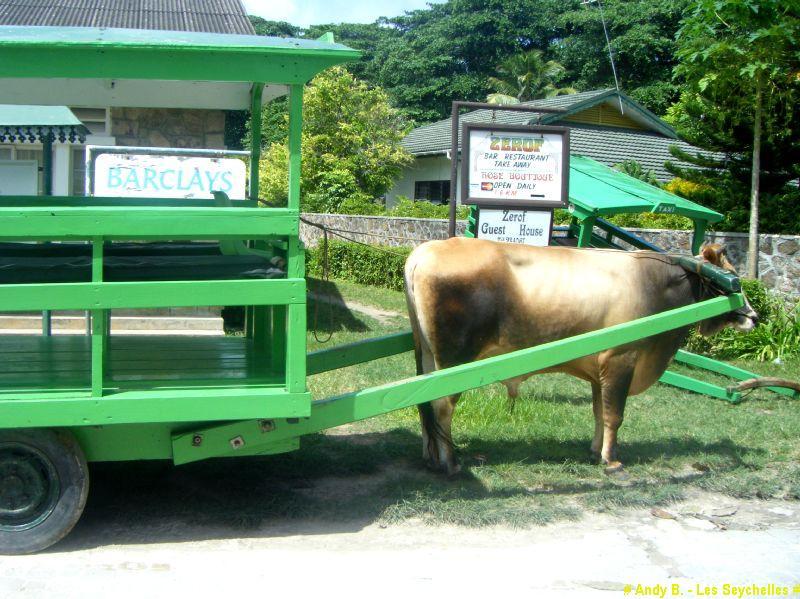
x,y
430,424
408,275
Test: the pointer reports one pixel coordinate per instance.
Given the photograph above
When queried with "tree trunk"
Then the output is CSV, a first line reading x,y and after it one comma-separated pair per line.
x,y
752,246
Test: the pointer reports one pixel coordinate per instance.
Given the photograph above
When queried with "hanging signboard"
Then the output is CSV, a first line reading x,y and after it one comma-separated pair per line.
x,y
530,227
515,166
164,173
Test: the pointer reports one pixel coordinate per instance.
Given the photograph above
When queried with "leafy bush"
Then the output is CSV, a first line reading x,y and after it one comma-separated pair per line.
x,y
351,146
776,337
366,264
641,220
649,220
634,169
423,209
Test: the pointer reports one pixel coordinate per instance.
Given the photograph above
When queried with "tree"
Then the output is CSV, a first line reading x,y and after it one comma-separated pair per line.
x,y
642,34
526,76
351,147
738,59
426,58
635,169
274,28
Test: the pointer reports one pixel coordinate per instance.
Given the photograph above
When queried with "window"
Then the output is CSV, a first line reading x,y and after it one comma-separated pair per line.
x,y
79,171
437,192
29,154
95,119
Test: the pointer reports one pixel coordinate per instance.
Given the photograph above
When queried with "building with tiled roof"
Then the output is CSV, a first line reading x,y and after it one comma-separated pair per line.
x,y
605,125
157,124
210,16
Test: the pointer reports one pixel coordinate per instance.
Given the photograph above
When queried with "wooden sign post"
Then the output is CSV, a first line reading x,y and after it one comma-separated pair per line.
x,y
516,176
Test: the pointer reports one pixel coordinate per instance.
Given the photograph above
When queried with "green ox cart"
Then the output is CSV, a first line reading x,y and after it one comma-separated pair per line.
x,y
69,400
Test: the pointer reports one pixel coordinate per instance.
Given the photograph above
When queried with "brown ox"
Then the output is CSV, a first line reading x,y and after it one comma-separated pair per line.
x,y
470,299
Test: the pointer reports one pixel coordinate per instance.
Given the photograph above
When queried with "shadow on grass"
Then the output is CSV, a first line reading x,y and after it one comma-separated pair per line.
x,y
327,311
342,483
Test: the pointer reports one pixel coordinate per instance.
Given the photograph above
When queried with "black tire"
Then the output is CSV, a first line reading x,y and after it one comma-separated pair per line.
x,y
44,482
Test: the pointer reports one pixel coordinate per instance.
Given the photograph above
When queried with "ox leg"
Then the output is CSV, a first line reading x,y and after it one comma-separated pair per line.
x,y
615,383
427,416
443,411
597,408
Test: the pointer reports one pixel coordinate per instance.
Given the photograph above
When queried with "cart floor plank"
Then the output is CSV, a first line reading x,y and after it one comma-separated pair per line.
x,y
132,362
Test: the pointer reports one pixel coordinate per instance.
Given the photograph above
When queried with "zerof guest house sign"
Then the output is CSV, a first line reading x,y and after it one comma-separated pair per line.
x,y
516,175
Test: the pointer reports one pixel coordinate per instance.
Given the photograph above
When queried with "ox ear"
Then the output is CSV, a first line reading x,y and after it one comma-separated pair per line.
x,y
716,254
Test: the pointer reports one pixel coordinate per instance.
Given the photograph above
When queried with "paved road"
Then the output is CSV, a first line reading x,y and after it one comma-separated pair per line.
x,y
711,542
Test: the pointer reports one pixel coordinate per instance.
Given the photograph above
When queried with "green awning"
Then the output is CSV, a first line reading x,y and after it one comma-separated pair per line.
x,y
597,190
36,123
89,66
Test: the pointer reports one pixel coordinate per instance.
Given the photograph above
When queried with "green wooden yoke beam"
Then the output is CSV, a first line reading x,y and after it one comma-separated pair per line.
x,y
712,365
359,352
401,394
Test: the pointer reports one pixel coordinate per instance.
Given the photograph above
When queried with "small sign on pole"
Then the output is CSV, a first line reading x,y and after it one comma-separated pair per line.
x,y
515,166
530,227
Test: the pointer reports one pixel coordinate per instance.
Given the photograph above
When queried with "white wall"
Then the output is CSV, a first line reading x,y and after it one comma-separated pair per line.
x,y
424,168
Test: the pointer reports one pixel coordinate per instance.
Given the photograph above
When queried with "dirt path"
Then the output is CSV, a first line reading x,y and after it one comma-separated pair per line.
x,y
747,542
382,316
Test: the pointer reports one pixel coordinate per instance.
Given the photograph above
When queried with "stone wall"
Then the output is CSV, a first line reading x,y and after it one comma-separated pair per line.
x,y
779,260
168,127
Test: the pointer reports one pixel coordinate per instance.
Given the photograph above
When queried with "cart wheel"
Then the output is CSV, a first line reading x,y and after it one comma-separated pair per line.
x,y
44,482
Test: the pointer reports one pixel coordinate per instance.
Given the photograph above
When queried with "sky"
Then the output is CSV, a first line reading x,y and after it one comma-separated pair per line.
x,y
316,12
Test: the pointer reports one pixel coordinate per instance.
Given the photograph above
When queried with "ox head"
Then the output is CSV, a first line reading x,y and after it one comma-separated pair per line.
x,y
745,318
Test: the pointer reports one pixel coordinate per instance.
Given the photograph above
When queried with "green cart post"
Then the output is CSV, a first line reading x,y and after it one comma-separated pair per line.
x,y
69,400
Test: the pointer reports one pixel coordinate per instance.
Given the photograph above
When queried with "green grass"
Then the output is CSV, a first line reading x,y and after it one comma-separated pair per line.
x,y
529,465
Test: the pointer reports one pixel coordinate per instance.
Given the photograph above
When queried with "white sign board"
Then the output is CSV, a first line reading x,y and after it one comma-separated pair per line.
x,y
19,178
157,176
516,166
531,227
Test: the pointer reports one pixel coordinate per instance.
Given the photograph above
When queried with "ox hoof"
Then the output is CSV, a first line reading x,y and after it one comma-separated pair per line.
x,y
595,457
453,470
615,469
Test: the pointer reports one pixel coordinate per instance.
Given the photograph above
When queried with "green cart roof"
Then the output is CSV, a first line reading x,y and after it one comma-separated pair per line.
x,y
595,189
81,66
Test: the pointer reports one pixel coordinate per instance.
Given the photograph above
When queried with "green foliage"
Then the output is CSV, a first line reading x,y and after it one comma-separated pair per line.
x,y
368,265
728,50
649,220
274,28
351,147
636,220
426,58
634,169
526,76
642,36
424,209
776,337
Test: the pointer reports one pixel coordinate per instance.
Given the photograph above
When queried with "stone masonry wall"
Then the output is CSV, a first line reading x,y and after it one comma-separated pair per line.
x,y
779,260
169,127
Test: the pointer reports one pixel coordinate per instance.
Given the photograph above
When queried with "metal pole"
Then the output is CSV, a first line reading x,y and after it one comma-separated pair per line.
x,y
454,146
451,230
257,94
47,171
